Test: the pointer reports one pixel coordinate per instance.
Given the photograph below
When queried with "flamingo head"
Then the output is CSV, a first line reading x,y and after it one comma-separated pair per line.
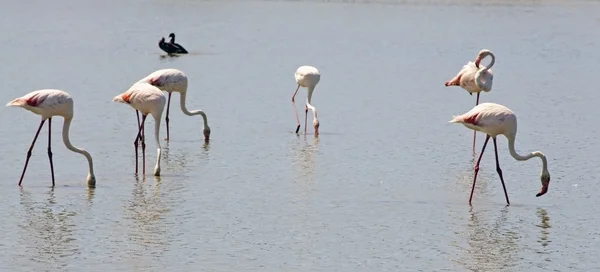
x,y
206,132
545,183
91,180
316,126
481,55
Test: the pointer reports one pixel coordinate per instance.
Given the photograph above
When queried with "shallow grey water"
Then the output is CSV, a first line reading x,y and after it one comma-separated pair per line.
x,y
383,188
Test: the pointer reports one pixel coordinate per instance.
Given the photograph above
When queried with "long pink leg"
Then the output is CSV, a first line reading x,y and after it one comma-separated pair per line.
x,y
487,138
295,111
50,150
500,172
137,138
167,118
30,149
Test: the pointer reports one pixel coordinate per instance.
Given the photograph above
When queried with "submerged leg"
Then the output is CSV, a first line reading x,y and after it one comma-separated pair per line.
x,y
487,138
294,106
500,172
50,150
167,117
29,151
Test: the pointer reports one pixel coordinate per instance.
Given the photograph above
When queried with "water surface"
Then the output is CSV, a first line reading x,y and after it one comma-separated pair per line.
x,y
383,188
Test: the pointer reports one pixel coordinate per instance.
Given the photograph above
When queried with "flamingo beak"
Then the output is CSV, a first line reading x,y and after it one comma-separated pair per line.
x,y
544,189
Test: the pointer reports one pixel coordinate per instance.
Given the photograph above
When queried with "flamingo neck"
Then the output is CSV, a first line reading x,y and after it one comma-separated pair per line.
x,y
191,113
480,84
157,141
91,178
517,156
308,99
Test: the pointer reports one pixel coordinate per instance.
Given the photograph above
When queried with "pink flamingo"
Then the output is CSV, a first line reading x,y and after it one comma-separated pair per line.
x,y
475,78
308,77
494,119
146,99
173,80
49,103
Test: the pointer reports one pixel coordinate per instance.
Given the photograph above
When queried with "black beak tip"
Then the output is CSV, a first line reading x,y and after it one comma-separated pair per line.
x,y
297,129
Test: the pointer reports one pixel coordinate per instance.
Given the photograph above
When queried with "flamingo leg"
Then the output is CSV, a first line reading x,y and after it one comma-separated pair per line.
x,y
294,106
50,150
137,113
305,116
167,117
29,151
137,138
143,149
500,172
487,138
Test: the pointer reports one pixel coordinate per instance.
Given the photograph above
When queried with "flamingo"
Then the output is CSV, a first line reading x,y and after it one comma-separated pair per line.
x,y
173,80
49,103
494,119
180,49
146,99
475,78
308,77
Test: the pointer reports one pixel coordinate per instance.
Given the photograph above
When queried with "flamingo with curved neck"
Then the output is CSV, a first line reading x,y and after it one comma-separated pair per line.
x,y
494,119
173,80
49,103
475,78
308,77
146,99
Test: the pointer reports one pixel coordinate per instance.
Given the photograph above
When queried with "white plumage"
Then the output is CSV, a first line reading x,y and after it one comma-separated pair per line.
x,y
173,80
494,119
475,78
49,103
146,99
308,77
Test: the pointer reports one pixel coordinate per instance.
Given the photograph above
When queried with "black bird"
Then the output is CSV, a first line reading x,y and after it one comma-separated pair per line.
x,y
176,45
167,47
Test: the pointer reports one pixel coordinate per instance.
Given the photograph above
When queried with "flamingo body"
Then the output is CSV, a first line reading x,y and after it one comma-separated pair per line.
x,y
146,99
466,79
169,80
493,120
490,118
49,103
308,77
173,80
46,103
